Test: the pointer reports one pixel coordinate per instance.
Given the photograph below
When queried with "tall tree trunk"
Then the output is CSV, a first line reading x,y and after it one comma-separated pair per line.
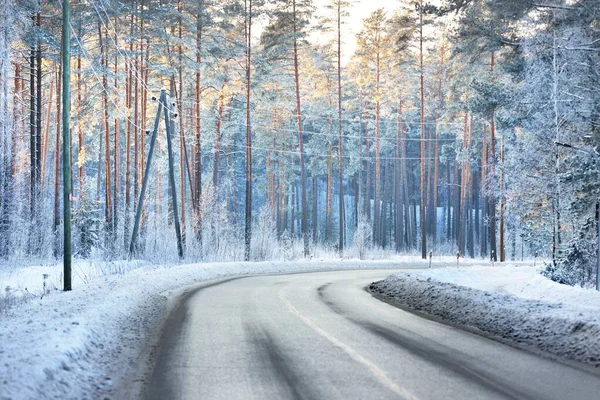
x,y
449,194
436,155
32,137
136,122
38,110
56,219
80,138
502,248
304,223
377,206
469,206
492,157
476,205
6,136
45,139
422,106
329,217
218,135
248,219
398,188
456,207
107,169
182,130
197,109
410,238
342,213
464,187
128,101
367,171
383,212
117,142
315,215
483,235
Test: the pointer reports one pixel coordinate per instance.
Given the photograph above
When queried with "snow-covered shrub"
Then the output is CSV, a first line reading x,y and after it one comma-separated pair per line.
x,y
577,264
222,240
363,237
265,245
86,224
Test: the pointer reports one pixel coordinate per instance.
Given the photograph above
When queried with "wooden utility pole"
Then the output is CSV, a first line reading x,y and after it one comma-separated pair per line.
x,y
66,110
169,128
162,106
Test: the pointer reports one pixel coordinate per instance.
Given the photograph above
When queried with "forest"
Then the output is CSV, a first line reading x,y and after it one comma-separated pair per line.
x,y
457,126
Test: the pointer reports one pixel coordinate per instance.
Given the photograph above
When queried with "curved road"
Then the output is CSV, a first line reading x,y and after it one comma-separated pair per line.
x,y
321,336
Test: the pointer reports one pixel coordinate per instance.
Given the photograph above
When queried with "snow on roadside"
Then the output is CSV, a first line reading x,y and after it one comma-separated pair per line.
x,y
84,343
514,303
522,281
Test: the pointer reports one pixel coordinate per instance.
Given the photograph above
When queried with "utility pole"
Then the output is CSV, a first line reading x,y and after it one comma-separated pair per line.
x,y
66,110
169,129
162,108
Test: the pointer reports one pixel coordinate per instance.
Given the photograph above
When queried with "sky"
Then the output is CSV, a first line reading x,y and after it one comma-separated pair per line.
x,y
360,10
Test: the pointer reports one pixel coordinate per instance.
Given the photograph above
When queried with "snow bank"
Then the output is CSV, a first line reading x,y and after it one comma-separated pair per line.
x,y
88,342
513,303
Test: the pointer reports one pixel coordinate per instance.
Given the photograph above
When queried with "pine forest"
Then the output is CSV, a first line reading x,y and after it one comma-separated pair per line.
x,y
230,130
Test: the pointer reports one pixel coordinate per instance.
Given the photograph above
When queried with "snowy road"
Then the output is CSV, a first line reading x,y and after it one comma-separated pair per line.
x,y
321,336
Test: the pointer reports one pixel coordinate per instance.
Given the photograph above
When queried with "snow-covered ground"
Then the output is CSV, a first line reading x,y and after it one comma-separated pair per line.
x,y
84,343
512,303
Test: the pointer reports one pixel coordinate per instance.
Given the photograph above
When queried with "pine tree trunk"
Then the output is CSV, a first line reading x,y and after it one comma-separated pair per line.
x,y
449,188
80,137
315,215
342,213
483,236
422,107
182,130
107,166
502,249
32,137
128,101
492,157
218,136
470,245
304,222
398,188
429,166
197,144
436,157
57,176
377,239
410,238
6,136
367,172
456,205
383,212
45,139
136,124
248,218
328,219
116,144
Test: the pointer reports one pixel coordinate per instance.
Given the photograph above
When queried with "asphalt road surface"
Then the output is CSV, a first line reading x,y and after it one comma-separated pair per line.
x,y
322,336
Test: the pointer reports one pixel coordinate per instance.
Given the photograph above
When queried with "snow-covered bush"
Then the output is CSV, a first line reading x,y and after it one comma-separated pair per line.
x,y
265,245
363,237
86,223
